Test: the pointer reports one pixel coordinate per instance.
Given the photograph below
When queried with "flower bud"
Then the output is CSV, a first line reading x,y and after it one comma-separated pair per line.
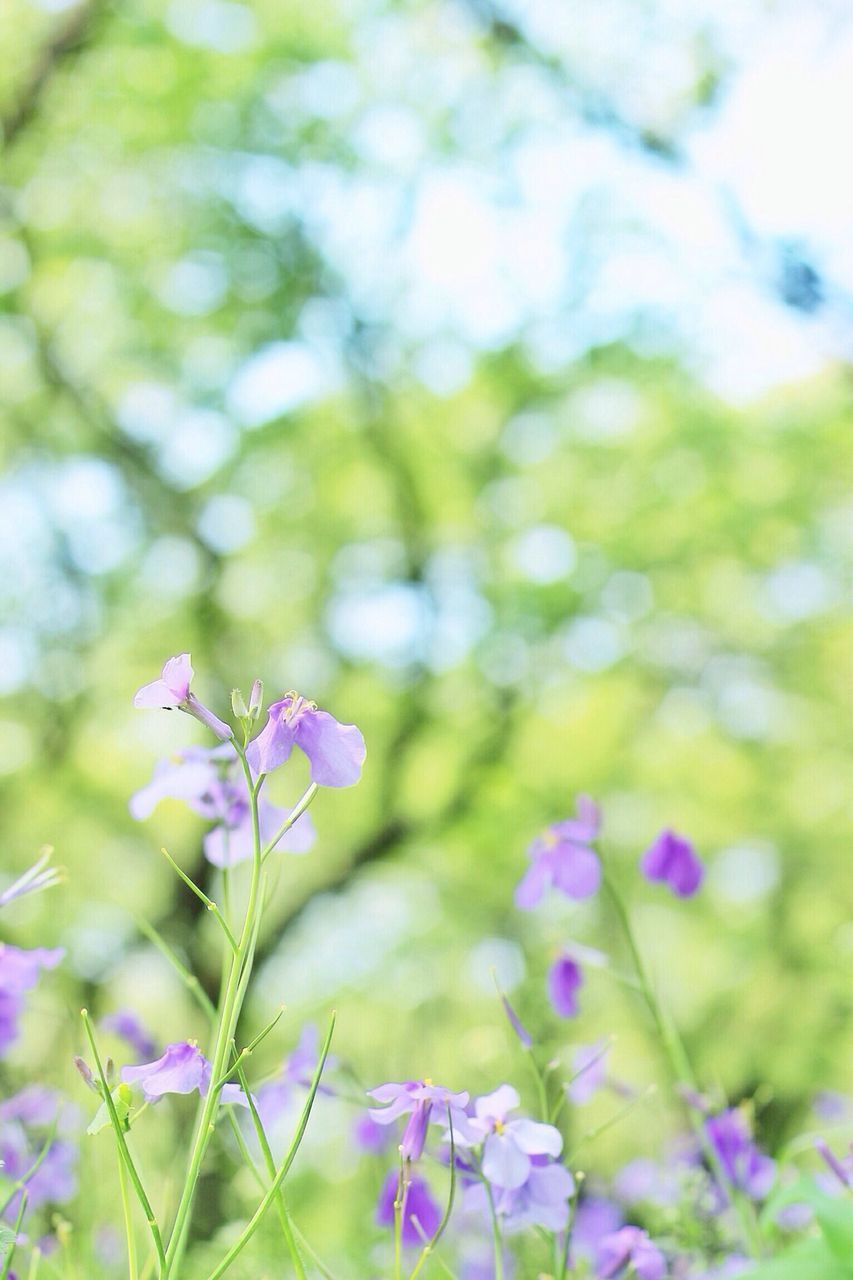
x,y
86,1072
256,698
238,705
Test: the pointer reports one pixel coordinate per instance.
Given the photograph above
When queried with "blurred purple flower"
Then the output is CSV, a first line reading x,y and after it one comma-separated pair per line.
x,y
561,858
515,1022
126,1024
210,782
26,1120
595,1218
370,1136
19,972
672,859
645,1181
172,691
589,1070
418,1099
508,1145
182,1068
420,1212
36,878
630,1247
335,751
565,977
745,1166
298,1069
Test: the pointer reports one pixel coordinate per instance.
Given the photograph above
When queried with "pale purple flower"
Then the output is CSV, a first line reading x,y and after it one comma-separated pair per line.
x,y
182,1068
211,783
645,1181
420,1213
297,1070
562,859
508,1145
370,1136
745,1166
541,1201
630,1247
25,1120
589,1070
595,1218
565,977
672,859
126,1024
418,1099
336,752
19,971
172,691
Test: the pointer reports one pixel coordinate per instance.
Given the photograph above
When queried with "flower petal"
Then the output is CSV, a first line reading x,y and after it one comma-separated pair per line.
x,y
503,1163
494,1106
274,743
536,1139
336,751
156,694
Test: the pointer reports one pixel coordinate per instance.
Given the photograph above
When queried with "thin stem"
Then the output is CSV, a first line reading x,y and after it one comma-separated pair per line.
x,y
124,1152
19,1218
235,988
189,980
496,1232
281,1208
248,1051
128,1222
202,897
35,1260
399,1206
34,1167
429,1247
296,812
258,1216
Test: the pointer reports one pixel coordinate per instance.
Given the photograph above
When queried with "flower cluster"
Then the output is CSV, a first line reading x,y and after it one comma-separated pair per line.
x,y
19,972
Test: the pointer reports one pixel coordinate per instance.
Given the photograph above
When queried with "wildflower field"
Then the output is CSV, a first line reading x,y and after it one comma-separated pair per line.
x,y
425,649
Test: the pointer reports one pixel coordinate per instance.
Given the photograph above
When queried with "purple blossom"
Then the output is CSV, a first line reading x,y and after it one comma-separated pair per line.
x,y
370,1136
508,1145
297,1070
565,977
589,1070
421,1214
595,1218
417,1099
210,782
25,1121
630,1247
335,751
182,1068
672,859
644,1180
541,1201
172,691
742,1163
561,858
19,972
126,1024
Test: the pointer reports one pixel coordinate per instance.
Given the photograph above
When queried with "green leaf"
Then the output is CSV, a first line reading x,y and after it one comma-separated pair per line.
x,y
122,1098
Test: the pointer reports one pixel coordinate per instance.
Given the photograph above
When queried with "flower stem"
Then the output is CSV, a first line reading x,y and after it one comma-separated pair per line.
x,y
128,1221
496,1233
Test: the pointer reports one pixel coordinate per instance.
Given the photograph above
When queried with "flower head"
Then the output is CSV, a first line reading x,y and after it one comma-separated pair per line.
x,y
420,1214
172,691
126,1024
509,1146
417,1099
745,1166
672,859
182,1068
565,977
561,858
336,751
630,1247
541,1201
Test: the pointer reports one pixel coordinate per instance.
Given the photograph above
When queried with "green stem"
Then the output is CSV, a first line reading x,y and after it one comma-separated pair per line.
x,y
34,1167
128,1221
296,812
496,1232
202,897
429,1247
399,1205
258,1216
123,1149
235,989
189,980
17,1227
35,1261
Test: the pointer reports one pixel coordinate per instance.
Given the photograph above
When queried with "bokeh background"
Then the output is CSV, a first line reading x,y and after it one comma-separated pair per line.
x,y
480,370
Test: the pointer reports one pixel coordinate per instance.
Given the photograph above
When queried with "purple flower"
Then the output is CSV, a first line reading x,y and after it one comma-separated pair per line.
x,y
541,1201
336,751
515,1022
416,1098
595,1218
508,1145
742,1163
182,1068
172,691
25,1119
210,782
565,977
420,1213
589,1070
370,1136
19,971
296,1070
630,1247
672,859
561,858
125,1023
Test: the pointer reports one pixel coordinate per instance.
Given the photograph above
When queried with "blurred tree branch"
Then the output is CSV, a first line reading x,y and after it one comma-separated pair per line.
x,y
70,37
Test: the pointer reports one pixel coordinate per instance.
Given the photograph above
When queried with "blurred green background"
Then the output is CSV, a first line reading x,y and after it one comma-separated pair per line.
x,y
478,371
